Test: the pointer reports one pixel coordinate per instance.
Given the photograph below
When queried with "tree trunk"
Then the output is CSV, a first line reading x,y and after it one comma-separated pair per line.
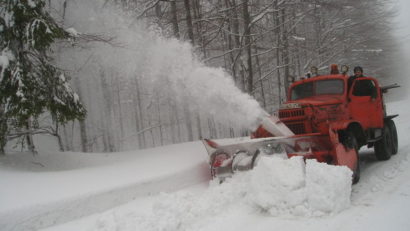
x,y
189,21
174,20
3,131
161,137
119,108
248,47
212,129
237,42
172,120
278,44
233,40
83,135
198,125
57,135
285,56
136,97
107,112
260,79
83,129
190,30
188,121
64,9
66,139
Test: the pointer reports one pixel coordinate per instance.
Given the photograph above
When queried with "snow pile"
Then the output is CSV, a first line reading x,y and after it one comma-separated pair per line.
x,y
329,187
291,188
277,186
189,211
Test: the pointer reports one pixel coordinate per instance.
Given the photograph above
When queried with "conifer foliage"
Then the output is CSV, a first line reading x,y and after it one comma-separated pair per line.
x,y
30,84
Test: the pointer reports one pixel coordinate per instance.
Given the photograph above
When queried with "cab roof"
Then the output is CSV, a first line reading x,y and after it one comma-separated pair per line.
x,y
322,77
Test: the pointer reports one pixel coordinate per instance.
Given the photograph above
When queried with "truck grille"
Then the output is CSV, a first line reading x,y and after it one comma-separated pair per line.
x,y
291,113
297,128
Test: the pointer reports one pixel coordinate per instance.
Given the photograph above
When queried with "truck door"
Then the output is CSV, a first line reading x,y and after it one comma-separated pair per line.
x,y
365,103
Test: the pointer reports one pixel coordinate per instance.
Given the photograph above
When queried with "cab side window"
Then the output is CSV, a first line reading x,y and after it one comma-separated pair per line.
x,y
364,87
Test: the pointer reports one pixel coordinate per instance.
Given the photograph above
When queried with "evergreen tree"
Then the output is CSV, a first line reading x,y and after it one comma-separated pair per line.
x,y
29,82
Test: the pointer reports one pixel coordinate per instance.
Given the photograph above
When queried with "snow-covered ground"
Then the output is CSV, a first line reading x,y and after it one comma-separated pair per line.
x,y
169,188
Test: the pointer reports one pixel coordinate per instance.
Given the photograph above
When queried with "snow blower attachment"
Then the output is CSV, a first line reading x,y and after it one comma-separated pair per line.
x,y
225,160
326,117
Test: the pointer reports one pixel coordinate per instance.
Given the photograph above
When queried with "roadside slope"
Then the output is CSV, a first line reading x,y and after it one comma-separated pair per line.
x,y
54,188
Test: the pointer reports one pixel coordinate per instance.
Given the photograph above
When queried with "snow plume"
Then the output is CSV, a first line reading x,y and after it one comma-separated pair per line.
x,y
277,187
211,91
164,67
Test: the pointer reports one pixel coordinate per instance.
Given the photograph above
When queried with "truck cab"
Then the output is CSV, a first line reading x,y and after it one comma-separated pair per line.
x,y
356,113
324,118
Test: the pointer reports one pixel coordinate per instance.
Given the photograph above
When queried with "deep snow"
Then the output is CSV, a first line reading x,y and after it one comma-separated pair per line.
x,y
169,188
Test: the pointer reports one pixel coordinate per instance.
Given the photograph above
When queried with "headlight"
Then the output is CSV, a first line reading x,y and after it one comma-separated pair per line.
x,y
345,69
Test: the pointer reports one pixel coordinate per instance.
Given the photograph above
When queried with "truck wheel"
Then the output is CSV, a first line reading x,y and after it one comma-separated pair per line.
x,y
383,147
350,141
393,131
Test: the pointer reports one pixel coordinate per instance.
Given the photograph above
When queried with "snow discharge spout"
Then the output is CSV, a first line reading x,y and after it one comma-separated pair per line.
x,y
166,68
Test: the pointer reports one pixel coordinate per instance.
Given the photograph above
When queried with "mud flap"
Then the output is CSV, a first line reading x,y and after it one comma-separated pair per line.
x,y
345,157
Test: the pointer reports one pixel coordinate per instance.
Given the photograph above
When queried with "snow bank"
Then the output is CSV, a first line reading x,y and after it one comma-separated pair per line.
x,y
277,186
53,187
288,187
328,187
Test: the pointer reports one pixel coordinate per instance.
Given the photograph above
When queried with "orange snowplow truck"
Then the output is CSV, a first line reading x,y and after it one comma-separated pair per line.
x,y
330,121
349,116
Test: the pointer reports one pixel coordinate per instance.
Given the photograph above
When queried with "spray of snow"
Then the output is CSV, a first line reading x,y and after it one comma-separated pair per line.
x,y
162,63
277,186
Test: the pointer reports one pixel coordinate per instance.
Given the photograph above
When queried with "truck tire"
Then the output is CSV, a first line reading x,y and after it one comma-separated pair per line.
x,y
393,131
383,147
349,140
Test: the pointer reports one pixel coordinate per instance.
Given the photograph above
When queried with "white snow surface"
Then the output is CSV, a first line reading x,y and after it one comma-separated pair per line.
x,y
169,188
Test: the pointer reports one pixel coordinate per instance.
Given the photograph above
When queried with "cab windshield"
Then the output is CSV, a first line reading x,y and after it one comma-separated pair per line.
x,y
315,88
